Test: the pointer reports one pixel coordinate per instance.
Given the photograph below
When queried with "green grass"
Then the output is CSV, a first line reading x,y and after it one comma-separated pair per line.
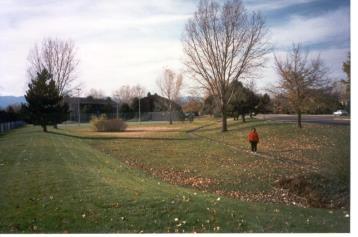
x,y
315,149
69,181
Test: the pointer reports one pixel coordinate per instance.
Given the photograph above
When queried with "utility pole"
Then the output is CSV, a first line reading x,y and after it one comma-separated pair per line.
x,y
117,110
79,107
139,110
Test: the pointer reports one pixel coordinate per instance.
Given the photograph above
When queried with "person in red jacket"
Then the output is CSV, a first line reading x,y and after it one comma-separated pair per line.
x,y
253,139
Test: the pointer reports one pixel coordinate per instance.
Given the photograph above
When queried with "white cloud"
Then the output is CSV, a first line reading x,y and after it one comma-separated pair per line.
x,y
330,26
119,42
332,59
128,63
129,42
259,5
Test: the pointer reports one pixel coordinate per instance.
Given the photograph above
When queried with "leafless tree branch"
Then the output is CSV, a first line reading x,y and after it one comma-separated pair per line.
x,y
170,86
223,43
299,76
59,58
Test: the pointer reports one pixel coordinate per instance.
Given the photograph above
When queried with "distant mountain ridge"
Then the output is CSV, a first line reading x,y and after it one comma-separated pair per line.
x,y
10,100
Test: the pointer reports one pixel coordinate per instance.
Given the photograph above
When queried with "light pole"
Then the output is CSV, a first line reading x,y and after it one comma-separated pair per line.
x,y
139,110
79,107
117,109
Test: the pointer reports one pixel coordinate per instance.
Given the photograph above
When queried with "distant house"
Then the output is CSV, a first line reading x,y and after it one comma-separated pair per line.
x,y
153,107
155,103
89,106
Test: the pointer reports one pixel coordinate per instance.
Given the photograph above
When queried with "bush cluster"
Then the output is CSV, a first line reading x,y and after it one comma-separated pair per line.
x,y
103,124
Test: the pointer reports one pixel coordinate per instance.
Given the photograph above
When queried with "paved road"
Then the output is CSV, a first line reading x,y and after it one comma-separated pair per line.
x,y
320,119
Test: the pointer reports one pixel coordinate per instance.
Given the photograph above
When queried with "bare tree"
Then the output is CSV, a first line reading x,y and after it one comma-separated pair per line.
x,y
299,77
123,94
170,85
192,105
58,57
193,102
96,94
138,92
126,93
223,43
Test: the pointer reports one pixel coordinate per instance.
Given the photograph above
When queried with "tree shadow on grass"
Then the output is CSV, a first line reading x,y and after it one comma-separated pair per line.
x,y
119,138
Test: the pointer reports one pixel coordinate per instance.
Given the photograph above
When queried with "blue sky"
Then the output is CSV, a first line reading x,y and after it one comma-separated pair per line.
x,y
130,42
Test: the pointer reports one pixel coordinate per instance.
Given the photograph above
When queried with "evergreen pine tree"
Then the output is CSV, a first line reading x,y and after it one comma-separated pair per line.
x,y
45,104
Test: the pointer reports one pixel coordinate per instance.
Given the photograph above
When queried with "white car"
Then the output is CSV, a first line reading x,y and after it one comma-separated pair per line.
x,y
340,113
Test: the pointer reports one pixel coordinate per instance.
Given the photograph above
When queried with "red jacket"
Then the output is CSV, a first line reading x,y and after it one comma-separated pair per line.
x,y
253,137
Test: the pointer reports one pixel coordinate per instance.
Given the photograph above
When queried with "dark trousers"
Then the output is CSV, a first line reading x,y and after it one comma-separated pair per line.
x,y
253,146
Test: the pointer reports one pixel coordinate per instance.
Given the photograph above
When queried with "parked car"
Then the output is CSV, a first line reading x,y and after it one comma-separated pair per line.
x,y
340,112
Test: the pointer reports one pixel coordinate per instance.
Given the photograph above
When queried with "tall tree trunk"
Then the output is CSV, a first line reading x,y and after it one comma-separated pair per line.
x,y
44,127
223,104
55,126
223,121
243,117
299,118
223,117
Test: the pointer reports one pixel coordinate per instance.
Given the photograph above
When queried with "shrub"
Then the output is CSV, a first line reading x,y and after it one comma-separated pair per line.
x,y
103,124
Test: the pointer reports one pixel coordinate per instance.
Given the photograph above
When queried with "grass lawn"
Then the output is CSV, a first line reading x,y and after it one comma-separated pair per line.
x,y
161,179
321,149
223,164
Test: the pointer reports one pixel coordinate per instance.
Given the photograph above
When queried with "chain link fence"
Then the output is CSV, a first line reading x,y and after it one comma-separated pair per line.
x,y
129,117
6,126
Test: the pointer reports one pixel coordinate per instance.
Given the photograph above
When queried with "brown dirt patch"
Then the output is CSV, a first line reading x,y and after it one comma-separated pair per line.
x,y
316,191
133,131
